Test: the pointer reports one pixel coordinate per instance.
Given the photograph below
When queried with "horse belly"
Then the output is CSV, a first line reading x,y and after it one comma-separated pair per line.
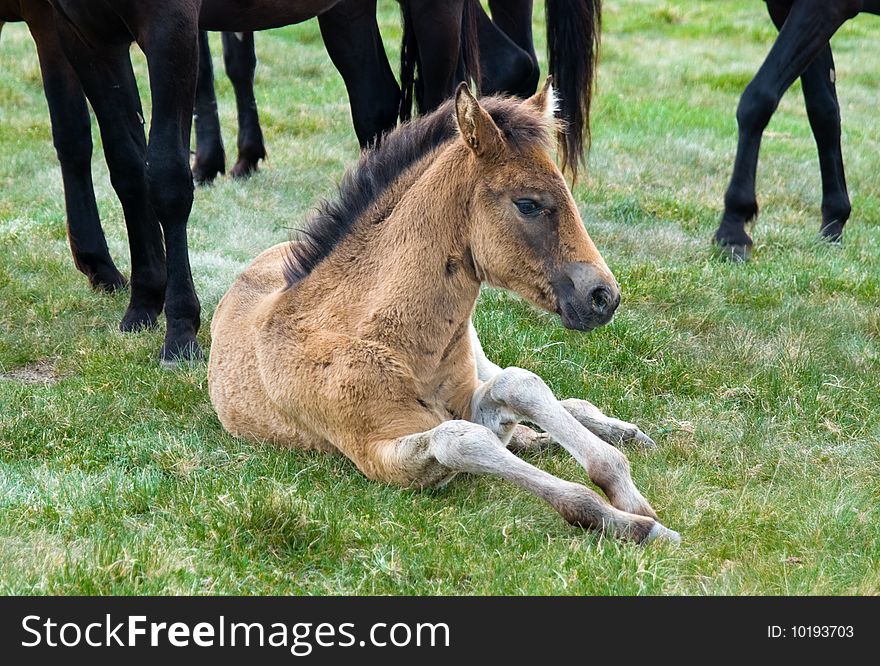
x,y
250,15
98,23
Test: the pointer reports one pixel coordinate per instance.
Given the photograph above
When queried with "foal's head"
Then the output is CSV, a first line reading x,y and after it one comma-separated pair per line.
x,y
527,234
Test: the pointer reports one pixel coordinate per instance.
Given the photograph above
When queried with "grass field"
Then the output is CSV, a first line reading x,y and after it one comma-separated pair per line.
x,y
760,383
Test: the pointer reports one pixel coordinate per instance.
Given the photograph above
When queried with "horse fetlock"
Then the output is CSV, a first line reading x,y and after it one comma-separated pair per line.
x,y
138,318
100,269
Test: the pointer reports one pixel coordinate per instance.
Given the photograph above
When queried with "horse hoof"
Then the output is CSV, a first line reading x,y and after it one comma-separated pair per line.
x,y
244,169
659,532
734,253
108,280
138,319
204,171
832,232
180,352
643,440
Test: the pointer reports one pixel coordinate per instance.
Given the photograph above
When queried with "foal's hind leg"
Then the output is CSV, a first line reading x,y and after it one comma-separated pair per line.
x,y
516,394
807,30
429,458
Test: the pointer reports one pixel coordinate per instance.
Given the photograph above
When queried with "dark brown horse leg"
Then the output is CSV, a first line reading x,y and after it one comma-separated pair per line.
x,y
240,60
172,60
210,160
72,136
504,66
351,36
823,110
108,81
506,69
805,33
437,25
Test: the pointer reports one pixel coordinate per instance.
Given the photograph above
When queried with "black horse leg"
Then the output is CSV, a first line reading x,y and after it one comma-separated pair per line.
x,y
109,83
172,60
514,19
240,59
351,35
210,160
437,25
72,136
504,66
807,30
820,96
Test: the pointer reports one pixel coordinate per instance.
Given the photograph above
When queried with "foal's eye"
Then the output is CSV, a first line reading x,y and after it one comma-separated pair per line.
x,y
528,207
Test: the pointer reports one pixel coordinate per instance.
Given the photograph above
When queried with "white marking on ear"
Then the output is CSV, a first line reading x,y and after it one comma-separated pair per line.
x,y
551,103
832,75
239,36
140,117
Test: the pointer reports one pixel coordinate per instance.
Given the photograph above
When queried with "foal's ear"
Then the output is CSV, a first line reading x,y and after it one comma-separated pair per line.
x,y
545,99
477,128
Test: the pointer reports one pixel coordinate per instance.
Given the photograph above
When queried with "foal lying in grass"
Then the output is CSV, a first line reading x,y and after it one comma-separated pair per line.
x,y
358,339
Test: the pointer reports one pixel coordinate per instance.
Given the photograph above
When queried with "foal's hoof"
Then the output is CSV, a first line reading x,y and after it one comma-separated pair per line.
x,y
661,533
138,319
180,352
643,440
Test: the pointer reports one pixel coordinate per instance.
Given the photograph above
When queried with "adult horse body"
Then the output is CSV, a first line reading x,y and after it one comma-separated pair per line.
x,y
801,50
358,338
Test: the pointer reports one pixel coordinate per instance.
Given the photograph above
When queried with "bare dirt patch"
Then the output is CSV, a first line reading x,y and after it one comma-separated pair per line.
x,y
38,372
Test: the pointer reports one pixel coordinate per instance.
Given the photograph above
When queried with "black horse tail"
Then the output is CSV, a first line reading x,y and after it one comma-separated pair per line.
x,y
573,35
411,85
409,59
470,43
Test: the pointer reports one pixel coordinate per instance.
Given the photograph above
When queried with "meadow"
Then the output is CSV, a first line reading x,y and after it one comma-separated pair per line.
x,y
759,382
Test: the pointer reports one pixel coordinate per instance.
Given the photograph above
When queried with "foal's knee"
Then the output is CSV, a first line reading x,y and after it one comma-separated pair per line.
x,y
521,390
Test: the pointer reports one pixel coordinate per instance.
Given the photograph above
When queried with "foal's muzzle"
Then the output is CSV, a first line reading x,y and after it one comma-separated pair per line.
x,y
585,298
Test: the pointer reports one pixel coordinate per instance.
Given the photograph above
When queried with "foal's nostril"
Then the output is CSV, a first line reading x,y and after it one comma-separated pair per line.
x,y
603,301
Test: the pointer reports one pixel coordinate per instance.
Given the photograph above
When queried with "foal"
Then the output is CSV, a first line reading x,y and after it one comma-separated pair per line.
x,y
358,338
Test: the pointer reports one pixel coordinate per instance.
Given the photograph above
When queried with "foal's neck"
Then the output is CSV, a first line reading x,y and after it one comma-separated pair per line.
x,y
404,275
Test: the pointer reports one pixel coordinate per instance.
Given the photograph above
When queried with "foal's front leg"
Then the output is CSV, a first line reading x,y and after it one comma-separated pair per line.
x,y
516,394
430,458
612,430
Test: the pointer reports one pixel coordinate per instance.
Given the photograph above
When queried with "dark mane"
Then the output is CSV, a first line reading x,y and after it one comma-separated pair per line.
x,y
379,167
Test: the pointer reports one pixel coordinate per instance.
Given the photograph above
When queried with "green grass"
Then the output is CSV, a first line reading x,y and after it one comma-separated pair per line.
x,y
760,383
